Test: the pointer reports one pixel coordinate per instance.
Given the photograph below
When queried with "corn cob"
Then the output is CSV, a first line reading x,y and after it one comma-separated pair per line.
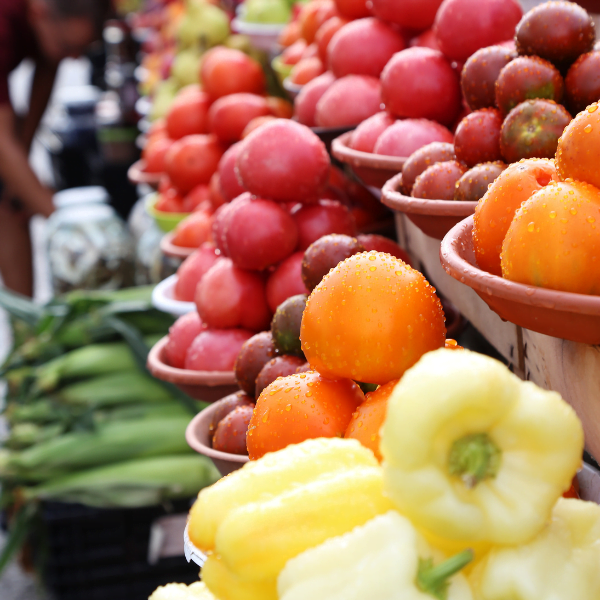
x,y
112,442
43,410
26,434
142,482
116,388
88,361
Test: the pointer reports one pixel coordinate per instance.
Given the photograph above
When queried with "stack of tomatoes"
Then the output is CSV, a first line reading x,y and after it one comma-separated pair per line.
x,y
203,122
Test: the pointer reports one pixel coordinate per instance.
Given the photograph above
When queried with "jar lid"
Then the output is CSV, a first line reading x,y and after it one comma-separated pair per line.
x,y
93,194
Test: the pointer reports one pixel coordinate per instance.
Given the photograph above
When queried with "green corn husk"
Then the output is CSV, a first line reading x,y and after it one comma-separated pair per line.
x,y
116,388
88,361
141,411
136,483
112,442
43,410
24,435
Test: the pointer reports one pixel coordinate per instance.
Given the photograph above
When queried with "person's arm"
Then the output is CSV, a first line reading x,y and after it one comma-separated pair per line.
x,y
41,89
15,172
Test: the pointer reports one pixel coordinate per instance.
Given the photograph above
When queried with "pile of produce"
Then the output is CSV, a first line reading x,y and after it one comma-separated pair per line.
x,y
355,58
87,423
467,503
250,254
515,96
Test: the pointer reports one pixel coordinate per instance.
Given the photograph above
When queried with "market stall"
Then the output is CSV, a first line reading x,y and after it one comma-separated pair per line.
x,y
344,344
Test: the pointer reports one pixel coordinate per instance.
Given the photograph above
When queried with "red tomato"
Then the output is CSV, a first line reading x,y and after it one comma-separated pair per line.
x,y
255,124
230,186
316,220
363,47
216,350
188,115
216,193
221,221
283,161
416,15
231,297
192,270
199,197
464,26
301,407
286,281
260,233
406,136
170,201
227,71
365,136
280,108
349,101
229,115
305,104
420,83
289,34
291,55
181,335
154,154
306,70
193,160
353,9
194,230
325,33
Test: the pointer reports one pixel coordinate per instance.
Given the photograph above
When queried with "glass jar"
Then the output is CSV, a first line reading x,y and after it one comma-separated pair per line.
x,y
89,246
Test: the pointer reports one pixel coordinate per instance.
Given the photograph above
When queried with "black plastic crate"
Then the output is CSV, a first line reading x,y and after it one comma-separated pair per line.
x,y
102,554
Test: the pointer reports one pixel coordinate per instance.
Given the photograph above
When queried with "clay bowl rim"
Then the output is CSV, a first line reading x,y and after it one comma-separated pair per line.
x,y
392,198
483,282
169,249
342,151
137,174
161,370
194,442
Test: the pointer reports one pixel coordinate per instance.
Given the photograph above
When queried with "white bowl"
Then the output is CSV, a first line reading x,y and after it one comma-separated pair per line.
x,y
263,36
191,552
163,299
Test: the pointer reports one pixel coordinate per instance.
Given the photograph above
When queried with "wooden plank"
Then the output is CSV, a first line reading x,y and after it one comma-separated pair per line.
x,y
572,370
504,336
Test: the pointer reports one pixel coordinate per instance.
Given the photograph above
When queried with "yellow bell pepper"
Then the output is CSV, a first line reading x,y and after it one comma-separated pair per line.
x,y
385,559
274,473
180,591
472,454
561,563
256,540
225,585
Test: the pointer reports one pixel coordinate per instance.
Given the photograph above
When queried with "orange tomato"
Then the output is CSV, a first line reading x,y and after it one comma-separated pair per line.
x,y
256,123
306,70
369,417
496,209
313,15
280,108
194,230
289,34
579,147
370,319
300,407
554,239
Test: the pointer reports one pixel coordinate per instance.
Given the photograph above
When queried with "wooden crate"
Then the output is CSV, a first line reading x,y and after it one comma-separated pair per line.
x,y
569,368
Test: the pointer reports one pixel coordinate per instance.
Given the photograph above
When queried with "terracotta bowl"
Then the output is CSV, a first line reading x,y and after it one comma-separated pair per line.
x,y
137,175
169,249
564,315
434,218
197,436
208,386
373,169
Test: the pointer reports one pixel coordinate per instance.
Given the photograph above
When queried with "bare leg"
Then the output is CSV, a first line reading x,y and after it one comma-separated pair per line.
x,y
16,260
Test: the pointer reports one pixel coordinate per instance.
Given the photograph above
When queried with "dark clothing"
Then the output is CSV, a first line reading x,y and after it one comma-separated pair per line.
x,y
17,41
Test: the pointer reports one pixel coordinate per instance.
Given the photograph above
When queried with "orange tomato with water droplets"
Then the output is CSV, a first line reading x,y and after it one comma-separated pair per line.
x,y
369,417
579,147
554,239
370,319
300,407
495,211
